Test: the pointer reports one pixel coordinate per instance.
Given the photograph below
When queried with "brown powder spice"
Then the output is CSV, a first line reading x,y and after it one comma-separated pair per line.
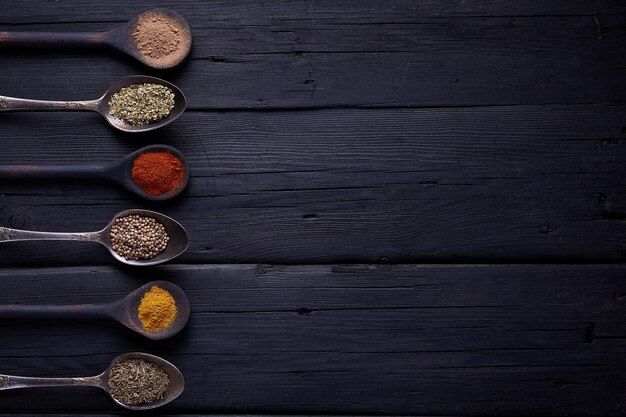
x,y
161,39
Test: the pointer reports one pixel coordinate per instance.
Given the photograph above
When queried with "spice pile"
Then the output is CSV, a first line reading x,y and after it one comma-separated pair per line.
x,y
141,104
158,173
137,381
162,39
138,237
157,309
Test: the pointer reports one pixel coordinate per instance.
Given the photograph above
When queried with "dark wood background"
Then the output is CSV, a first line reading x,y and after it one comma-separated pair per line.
x,y
396,207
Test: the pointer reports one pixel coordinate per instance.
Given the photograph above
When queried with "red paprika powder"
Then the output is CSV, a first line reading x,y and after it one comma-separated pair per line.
x,y
159,172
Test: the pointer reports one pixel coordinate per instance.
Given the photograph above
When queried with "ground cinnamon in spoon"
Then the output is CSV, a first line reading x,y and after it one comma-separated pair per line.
x,y
161,38
158,172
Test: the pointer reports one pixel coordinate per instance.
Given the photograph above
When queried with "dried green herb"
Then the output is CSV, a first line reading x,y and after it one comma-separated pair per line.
x,y
136,381
141,104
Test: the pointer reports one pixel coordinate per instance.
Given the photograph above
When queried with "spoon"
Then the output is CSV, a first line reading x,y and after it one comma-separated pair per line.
x,y
101,105
120,38
177,381
123,310
119,171
179,239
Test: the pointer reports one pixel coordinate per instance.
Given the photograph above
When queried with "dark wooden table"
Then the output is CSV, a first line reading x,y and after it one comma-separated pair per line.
x,y
397,208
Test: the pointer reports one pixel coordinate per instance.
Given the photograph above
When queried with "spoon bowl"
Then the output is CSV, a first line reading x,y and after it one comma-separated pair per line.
x,y
122,172
179,239
123,38
126,310
177,380
103,107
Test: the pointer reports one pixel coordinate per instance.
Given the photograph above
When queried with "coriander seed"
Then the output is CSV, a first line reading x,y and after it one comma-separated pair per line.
x,y
138,237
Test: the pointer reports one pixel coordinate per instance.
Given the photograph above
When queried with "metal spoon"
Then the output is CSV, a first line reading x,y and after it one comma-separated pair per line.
x,y
119,171
179,240
101,105
120,38
123,310
177,381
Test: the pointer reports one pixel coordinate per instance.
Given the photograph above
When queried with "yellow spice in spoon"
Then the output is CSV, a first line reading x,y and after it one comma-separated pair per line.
x,y
157,309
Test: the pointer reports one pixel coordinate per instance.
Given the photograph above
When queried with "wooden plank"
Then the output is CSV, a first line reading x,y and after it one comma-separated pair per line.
x,y
501,184
215,415
222,415
401,339
21,13
340,54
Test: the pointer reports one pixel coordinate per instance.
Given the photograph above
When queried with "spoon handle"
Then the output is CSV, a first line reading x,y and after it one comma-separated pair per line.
x,y
13,103
80,311
54,171
7,235
53,39
14,382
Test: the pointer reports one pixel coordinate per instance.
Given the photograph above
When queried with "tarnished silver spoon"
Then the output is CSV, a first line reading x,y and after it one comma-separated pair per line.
x,y
120,38
102,106
176,387
124,310
179,240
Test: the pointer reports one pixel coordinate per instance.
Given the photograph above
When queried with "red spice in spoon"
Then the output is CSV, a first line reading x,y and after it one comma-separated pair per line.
x,y
158,172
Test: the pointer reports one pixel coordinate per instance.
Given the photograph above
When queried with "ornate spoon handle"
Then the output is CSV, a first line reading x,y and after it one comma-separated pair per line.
x,y
14,103
7,235
14,382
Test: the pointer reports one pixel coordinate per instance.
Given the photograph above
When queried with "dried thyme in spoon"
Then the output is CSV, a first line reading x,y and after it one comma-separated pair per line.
x,y
141,104
137,381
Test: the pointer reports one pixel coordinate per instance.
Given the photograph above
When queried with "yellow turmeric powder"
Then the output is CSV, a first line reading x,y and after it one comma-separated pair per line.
x,y
157,309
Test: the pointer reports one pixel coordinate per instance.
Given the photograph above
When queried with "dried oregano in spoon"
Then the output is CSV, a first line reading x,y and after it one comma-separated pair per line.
x,y
141,104
137,381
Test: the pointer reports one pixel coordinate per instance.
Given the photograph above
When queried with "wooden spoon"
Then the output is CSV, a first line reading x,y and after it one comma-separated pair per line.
x,y
119,171
120,38
123,310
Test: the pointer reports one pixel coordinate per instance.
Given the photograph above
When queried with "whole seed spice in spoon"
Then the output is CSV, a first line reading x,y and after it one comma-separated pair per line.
x,y
138,237
137,381
141,104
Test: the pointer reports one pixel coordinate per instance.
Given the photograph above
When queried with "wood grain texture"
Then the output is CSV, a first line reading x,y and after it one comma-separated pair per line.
x,y
201,415
415,340
500,184
303,54
355,134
